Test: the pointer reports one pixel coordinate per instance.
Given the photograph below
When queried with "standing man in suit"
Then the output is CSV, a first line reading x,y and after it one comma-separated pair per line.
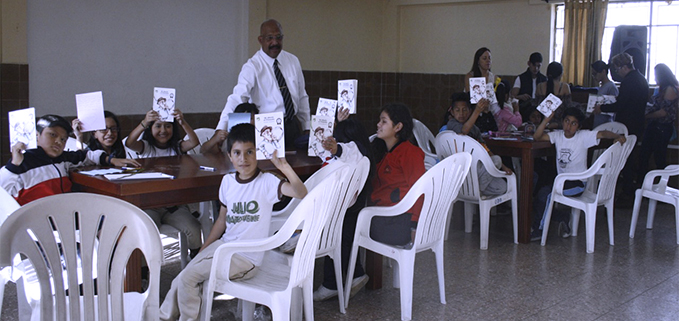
x,y
273,80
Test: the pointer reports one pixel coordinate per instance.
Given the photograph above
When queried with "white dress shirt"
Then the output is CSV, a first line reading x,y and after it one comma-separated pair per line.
x,y
257,84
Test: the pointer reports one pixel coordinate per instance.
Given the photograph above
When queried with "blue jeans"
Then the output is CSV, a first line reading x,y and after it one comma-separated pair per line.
x,y
544,196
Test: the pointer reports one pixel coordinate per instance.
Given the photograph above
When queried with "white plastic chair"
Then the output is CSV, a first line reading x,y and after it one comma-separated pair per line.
x,y
654,193
7,206
439,185
167,230
600,190
81,235
273,284
615,127
204,134
448,143
425,140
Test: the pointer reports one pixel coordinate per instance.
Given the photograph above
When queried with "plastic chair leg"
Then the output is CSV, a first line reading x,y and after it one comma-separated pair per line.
x,y
336,261
575,221
484,220
438,252
468,216
611,231
406,280
651,213
635,213
249,310
590,221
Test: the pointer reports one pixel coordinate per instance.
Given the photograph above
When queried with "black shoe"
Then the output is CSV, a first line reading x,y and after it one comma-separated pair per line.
x,y
536,235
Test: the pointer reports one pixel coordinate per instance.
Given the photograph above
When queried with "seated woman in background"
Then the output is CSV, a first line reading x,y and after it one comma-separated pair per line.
x,y
606,87
660,119
107,139
553,85
481,68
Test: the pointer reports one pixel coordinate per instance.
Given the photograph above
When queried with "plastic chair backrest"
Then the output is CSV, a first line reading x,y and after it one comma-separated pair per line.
x,y
425,139
439,185
449,143
7,205
607,183
83,233
314,210
351,183
204,134
616,127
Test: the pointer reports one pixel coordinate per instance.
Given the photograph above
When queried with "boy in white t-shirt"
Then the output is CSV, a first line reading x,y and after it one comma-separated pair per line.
x,y
247,199
571,157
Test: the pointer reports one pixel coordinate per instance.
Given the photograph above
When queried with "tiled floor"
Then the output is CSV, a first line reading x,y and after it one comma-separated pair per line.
x,y
637,279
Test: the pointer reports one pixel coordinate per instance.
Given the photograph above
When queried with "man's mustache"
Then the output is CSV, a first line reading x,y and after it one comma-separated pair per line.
x,y
275,47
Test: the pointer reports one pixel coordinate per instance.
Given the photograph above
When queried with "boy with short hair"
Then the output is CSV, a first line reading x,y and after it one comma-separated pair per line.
x,y
571,157
247,199
43,171
463,123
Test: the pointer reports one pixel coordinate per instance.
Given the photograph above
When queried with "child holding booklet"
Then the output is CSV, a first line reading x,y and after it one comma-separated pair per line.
x,y
107,139
247,186
160,139
43,171
571,157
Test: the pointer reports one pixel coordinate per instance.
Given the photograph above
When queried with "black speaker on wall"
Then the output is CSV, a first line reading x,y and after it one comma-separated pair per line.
x,y
634,41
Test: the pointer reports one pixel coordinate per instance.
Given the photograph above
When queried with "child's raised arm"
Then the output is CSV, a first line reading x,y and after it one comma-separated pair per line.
x,y
611,135
212,146
540,134
132,141
193,138
294,186
481,106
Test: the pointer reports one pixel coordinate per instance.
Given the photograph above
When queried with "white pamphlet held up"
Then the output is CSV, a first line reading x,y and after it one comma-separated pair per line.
x,y
22,128
549,105
477,89
601,100
326,107
90,109
490,93
321,128
269,135
163,103
347,91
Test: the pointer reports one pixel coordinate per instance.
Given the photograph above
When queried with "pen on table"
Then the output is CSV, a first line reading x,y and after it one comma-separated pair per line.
x,y
206,168
125,168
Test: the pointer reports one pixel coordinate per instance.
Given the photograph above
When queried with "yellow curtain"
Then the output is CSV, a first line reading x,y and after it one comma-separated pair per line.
x,y
583,31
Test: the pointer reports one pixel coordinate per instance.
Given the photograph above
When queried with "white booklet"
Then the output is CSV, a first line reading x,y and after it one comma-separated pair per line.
x,y
490,93
143,175
90,111
601,100
321,127
269,135
238,118
477,89
163,103
326,107
549,105
22,128
347,91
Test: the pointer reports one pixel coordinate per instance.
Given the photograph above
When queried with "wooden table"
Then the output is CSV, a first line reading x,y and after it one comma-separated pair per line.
x,y
190,185
527,150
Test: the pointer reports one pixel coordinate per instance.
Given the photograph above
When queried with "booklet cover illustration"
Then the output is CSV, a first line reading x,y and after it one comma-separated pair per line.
x,y
90,111
601,100
269,135
477,89
347,91
549,105
163,103
22,128
326,107
321,128
490,93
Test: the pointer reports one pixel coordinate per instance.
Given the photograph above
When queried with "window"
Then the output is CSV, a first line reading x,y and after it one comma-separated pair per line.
x,y
660,17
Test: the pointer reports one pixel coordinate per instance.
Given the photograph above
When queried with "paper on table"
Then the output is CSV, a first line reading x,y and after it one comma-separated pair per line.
x,y
90,109
144,175
102,171
22,127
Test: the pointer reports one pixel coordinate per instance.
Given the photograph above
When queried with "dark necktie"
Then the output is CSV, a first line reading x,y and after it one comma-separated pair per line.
x,y
289,108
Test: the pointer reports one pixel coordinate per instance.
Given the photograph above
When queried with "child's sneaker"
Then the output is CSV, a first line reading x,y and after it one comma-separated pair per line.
x,y
564,229
289,246
324,293
357,284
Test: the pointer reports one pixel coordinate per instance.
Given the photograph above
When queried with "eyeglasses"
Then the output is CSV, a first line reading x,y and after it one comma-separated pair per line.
x,y
112,129
270,38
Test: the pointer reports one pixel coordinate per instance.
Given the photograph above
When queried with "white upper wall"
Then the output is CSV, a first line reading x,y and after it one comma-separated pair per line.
x,y
125,48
